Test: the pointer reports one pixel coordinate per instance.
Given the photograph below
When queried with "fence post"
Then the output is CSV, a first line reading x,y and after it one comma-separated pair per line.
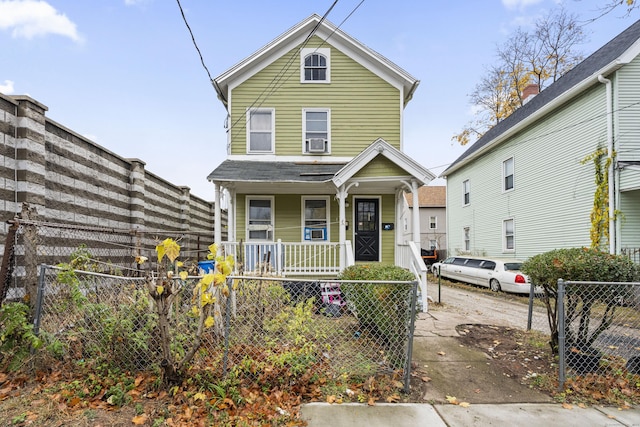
x,y
412,309
227,329
39,297
561,334
530,314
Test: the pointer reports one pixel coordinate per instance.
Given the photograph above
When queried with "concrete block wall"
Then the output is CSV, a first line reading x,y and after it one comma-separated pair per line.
x,y
72,180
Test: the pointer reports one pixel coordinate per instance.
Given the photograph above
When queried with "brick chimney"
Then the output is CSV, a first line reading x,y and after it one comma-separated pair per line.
x,y
529,92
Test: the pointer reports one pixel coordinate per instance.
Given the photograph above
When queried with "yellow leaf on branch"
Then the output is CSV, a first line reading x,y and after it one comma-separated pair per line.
x,y
159,289
184,275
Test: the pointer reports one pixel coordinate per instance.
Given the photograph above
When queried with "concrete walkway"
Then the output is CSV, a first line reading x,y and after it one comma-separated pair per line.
x,y
459,371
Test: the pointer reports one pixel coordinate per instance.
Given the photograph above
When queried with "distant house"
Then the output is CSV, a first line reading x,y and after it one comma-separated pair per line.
x,y
525,187
432,203
315,168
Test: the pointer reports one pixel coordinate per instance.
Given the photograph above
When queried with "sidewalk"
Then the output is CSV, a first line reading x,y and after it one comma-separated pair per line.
x,y
461,370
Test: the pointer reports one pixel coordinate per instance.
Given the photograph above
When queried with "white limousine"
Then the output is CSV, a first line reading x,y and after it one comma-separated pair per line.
x,y
492,273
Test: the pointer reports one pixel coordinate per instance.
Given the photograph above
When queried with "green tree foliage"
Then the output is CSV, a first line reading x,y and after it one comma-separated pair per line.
x,y
581,264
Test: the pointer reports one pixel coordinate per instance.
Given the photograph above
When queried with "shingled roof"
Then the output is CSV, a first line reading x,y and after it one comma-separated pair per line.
x,y
252,171
429,196
605,60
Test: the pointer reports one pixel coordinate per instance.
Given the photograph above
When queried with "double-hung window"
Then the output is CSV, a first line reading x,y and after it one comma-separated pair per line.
x,y
467,239
315,217
433,224
509,242
315,65
507,174
316,125
260,130
466,193
260,218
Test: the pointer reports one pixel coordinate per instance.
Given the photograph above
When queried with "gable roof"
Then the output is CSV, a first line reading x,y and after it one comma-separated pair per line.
x,y
619,51
382,147
332,35
429,196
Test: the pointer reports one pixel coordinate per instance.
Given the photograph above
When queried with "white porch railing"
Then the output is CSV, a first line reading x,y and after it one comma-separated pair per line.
x,y
289,258
408,256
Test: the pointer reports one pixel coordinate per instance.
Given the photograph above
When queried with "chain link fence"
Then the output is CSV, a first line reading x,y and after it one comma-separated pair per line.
x,y
102,250
598,327
340,328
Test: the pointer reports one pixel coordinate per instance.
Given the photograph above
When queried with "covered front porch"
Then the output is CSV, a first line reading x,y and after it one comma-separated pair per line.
x,y
307,218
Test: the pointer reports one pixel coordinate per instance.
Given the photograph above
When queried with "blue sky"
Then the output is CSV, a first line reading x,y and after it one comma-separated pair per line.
x,y
125,73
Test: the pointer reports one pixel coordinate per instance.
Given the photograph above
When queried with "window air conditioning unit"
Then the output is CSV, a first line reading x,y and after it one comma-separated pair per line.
x,y
317,145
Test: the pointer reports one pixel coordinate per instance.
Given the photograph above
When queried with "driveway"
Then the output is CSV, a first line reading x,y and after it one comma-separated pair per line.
x,y
493,309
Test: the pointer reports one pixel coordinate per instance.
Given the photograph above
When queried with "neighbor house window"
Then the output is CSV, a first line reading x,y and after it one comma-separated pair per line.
x,y
315,217
315,128
467,239
432,223
466,190
260,130
315,65
509,235
507,173
260,218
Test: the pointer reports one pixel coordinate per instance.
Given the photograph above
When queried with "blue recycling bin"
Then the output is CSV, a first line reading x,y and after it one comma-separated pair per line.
x,y
206,267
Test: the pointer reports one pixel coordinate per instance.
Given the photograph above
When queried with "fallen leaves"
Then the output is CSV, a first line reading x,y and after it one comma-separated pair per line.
x,y
454,401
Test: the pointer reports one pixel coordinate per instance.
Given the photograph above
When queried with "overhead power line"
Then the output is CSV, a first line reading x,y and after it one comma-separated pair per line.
x,y
184,18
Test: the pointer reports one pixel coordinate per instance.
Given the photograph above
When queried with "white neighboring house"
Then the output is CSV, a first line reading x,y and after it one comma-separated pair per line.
x,y
432,200
523,188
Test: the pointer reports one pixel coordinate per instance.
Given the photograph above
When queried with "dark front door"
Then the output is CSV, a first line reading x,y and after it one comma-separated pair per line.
x,y
367,235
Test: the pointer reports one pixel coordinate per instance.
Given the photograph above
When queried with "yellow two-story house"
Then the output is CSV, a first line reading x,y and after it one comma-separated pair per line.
x,y
315,172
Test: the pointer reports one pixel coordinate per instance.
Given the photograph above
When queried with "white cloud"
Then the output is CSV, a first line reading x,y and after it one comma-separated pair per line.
x,y
519,4
34,18
135,2
6,87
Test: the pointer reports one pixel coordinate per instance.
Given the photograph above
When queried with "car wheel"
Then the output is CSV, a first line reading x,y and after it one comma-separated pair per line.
x,y
494,285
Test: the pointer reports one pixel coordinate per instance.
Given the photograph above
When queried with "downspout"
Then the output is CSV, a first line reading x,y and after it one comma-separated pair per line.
x,y
611,183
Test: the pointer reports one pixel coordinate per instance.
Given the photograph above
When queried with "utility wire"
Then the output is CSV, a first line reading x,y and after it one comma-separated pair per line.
x,y
277,81
184,18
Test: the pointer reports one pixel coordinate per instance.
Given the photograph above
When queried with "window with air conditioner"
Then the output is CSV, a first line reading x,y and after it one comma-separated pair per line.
x,y
315,124
315,218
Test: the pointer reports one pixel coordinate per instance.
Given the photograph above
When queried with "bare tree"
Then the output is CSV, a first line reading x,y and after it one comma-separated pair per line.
x,y
537,57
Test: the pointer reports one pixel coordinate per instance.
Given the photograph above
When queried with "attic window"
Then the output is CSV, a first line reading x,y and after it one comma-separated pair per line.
x,y
315,65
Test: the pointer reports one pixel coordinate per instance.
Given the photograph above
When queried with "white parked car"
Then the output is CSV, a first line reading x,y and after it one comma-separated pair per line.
x,y
493,273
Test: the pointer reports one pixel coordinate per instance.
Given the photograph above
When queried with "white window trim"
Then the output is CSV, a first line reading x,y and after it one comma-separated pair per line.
x,y
326,52
271,227
303,219
464,240
468,184
504,235
504,175
435,217
273,129
304,129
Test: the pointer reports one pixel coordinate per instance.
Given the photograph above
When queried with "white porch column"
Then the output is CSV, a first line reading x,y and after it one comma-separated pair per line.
x,y
342,234
341,195
217,216
416,214
231,215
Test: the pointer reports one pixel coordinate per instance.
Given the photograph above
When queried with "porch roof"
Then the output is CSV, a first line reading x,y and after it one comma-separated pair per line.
x,y
273,172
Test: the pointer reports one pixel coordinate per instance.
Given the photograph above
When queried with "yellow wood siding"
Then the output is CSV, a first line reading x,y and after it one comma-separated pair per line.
x,y
388,214
381,166
363,106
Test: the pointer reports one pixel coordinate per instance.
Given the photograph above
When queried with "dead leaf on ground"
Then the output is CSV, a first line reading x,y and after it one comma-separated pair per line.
x,y
441,353
452,399
567,406
426,379
140,420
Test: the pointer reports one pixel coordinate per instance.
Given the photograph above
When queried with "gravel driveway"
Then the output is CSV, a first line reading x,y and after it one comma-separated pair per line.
x,y
481,307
